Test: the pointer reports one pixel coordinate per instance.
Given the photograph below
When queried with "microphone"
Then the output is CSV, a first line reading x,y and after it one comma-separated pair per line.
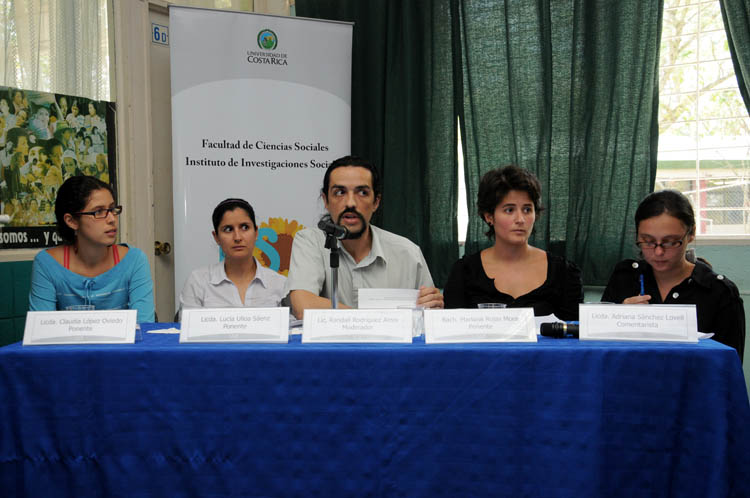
x,y
559,330
330,228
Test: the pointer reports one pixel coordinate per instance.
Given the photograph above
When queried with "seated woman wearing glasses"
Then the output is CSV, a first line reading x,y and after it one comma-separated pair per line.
x,y
240,280
665,225
512,271
90,270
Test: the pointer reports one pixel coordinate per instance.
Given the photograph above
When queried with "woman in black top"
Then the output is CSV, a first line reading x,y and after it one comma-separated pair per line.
x,y
665,225
512,271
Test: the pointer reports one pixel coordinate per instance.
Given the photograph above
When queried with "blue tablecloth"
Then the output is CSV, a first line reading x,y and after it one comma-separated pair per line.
x,y
557,418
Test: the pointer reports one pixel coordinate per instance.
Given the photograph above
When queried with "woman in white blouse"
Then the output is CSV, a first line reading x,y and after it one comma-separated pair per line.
x,y
239,281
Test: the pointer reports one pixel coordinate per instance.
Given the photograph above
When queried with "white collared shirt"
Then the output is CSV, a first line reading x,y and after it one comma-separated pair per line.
x,y
394,262
209,287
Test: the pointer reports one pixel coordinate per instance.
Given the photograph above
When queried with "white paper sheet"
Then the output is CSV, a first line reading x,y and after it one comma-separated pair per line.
x,y
387,298
170,330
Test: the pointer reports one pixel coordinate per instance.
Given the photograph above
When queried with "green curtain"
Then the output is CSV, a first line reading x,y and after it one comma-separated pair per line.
x,y
403,115
568,90
736,15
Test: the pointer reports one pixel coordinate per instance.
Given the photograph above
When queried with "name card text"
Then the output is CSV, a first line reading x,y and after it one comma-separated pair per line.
x,y
638,322
264,325
480,325
357,326
80,327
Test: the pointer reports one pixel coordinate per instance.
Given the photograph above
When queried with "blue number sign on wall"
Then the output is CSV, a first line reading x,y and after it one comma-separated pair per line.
x,y
159,34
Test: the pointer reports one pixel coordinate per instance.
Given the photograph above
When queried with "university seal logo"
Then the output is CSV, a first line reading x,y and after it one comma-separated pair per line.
x,y
267,40
274,246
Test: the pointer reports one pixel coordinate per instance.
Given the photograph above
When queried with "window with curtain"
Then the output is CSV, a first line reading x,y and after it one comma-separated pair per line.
x,y
59,46
704,128
276,7
63,46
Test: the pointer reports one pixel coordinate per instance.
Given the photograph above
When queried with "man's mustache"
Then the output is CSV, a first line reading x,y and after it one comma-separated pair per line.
x,y
350,210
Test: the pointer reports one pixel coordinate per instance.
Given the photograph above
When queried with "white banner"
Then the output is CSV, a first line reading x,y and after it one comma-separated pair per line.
x,y
260,106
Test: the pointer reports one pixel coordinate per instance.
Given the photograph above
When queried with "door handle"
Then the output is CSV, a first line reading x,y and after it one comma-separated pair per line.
x,y
162,248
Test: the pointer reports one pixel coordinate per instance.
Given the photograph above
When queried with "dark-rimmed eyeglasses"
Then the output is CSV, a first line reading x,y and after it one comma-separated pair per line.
x,y
102,213
666,245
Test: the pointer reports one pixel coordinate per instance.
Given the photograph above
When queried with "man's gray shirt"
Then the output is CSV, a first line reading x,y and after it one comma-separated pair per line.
x,y
394,262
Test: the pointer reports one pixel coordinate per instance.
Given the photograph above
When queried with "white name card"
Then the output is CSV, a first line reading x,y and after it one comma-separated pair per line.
x,y
357,326
80,327
638,322
480,325
265,325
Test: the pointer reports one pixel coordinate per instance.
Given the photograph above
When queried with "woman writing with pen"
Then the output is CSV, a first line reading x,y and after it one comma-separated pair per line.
x,y
665,225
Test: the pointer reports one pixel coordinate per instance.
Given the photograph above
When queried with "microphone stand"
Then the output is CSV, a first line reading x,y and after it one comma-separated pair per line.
x,y
332,244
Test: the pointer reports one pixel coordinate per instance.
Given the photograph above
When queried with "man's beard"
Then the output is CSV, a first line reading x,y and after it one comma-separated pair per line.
x,y
354,235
